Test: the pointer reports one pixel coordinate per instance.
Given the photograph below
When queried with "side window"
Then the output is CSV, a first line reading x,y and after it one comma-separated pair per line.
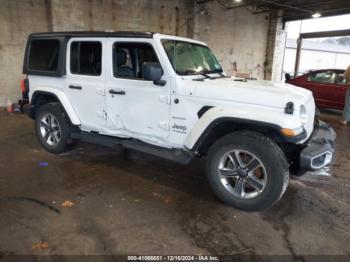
x,y
128,59
43,55
327,77
86,58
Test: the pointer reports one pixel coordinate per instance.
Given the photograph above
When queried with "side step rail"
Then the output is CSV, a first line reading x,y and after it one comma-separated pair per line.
x,y
175,155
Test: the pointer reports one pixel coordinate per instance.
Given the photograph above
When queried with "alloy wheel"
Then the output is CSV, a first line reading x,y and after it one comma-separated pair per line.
x,y
242,174
50,129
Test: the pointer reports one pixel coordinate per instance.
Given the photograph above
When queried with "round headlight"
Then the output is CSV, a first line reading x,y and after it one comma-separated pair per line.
x,y
303,115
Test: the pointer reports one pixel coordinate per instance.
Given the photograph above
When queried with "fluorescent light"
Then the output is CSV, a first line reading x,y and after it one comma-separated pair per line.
x,y
316,15
237,1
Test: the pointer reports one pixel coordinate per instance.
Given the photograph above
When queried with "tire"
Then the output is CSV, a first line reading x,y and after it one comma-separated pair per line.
x,y
53,135
247,170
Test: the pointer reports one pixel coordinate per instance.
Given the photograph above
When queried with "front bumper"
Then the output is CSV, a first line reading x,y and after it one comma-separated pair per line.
x,y
320,149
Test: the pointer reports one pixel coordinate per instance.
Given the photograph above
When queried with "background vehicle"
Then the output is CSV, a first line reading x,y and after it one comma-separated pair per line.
x,y
168,96
327,85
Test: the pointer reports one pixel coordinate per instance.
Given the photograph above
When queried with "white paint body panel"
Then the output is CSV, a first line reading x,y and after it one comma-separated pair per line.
x,y
144,110
55,86
89,101
147,112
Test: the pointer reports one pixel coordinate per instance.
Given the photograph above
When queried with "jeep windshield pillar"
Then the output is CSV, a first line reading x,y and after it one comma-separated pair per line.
x,y
168,96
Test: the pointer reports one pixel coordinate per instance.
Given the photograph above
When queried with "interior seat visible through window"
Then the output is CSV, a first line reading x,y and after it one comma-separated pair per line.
x,y
123,70
130,57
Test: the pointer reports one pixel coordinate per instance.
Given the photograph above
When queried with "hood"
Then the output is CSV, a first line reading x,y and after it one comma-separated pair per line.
x,y
265,93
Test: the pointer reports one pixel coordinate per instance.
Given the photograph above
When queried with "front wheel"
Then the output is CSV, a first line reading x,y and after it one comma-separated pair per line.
x,y
247,170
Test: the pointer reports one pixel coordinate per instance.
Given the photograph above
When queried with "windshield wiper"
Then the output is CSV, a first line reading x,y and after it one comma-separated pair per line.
x,y
193,72
187,72
204,73
219,72
205,76
223,75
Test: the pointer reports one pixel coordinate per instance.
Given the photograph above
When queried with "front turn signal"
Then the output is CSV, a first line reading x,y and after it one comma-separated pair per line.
x,y
291,132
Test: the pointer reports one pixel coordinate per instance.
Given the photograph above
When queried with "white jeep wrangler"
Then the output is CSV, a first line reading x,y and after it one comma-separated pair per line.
x,y
168,96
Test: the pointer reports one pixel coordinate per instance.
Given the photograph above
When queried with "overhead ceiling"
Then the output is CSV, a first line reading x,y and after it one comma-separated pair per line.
x,y
292,9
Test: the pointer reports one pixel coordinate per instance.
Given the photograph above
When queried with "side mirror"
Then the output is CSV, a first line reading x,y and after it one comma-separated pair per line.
x,y
152,71
287,77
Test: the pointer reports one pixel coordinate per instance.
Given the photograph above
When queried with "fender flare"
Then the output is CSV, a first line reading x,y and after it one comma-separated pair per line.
x,y
205,127
64,101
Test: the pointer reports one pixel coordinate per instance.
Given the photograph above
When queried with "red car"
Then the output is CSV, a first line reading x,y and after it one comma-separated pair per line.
x,y
327,85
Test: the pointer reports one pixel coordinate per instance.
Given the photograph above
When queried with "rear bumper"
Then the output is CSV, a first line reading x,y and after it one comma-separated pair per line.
x,y
320,149
29,110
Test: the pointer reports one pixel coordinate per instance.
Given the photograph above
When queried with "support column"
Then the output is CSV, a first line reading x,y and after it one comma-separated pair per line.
x,y
48,4
275,49
297,59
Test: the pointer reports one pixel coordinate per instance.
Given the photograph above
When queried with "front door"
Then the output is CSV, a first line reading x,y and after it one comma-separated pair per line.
x,y
322,85
85,82
137,107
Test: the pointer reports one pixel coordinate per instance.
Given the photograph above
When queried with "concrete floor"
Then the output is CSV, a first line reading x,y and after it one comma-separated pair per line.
x,y
136,204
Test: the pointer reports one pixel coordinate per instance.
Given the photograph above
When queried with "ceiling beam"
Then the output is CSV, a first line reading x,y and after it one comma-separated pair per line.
x,y
286,6
325,34
293,10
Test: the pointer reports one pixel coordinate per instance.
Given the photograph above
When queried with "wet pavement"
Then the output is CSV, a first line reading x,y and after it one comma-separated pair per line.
x,y
130,203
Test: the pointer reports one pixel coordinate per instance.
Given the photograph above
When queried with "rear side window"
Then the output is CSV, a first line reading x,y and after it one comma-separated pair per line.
x,y
43,55
326,77
86,58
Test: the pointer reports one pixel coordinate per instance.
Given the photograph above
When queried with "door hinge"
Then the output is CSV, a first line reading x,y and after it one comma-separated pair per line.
x,y
165,99
164,125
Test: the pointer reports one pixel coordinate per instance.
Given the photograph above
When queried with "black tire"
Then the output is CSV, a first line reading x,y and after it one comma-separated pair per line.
x,y
64,142
271,157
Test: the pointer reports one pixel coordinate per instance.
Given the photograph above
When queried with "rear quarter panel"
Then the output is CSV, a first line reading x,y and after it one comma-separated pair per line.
x,y
53,85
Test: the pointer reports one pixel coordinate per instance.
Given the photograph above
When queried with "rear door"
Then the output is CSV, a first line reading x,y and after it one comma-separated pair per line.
x,y
85,81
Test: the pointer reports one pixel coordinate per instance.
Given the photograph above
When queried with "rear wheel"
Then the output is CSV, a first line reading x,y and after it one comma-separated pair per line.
x,y
53,129
247,170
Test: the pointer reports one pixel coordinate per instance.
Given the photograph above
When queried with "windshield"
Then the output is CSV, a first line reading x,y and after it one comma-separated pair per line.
x,y
190,58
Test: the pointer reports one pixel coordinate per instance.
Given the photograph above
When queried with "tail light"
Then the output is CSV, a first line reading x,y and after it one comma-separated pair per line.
x,y
25,94
24,86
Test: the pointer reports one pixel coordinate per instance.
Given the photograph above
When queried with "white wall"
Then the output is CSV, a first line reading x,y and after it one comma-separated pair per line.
x,y
311,59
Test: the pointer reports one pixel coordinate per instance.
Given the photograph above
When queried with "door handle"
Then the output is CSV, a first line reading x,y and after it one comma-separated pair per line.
x,y
116,92
75,87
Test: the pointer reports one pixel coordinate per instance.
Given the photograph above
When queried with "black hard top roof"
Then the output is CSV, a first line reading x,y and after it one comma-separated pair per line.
x,y
132,34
